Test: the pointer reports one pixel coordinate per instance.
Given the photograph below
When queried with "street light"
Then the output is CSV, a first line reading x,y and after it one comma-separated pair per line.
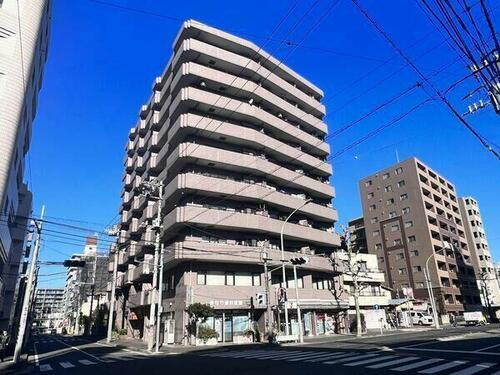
x,y
295,262
283,258
427,275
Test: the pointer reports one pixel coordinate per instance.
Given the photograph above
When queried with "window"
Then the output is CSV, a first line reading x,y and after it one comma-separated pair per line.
x,y
362,266
397,242
202,278
385,176
403,197
229,278
417,268
401,183
369,195
388,188
378,246
402,271
390,201
372,207
216,278
374,220
405,210
419,285
400,255
376,233
394,228
414,253
381,259
392,214
408,224
368,183
399,170
412,238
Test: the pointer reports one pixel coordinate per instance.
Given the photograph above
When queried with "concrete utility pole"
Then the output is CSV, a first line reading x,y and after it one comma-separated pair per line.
x,y
92,291
148,189
287,329
112,299
269,322
29,289
160,299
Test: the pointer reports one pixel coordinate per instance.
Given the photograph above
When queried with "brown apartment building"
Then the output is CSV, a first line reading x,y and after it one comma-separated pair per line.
x,y
237,139
411,213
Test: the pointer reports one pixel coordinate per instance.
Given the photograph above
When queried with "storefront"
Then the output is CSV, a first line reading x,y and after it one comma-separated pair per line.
x,y
231,325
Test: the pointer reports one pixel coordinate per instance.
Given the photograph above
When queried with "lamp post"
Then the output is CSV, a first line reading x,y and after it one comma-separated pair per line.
x,y
429,283
283,258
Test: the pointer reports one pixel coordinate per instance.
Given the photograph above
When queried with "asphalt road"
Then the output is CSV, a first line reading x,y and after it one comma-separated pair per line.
x,y
461,351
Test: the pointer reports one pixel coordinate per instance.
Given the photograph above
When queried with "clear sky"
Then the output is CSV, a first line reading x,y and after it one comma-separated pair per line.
x,y
103,60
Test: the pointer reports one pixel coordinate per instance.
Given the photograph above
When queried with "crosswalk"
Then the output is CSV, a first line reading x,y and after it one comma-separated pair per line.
x,y
387,361
69,364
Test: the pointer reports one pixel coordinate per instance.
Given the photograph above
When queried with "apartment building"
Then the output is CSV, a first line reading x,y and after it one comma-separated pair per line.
x,y
480,252
24,36
412,217
357,233
48,309
86,287
237,139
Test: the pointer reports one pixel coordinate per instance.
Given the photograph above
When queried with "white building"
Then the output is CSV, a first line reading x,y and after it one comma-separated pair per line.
x,y
24,36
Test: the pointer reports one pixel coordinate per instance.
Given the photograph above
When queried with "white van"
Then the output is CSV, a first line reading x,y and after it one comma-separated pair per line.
x,y
421,319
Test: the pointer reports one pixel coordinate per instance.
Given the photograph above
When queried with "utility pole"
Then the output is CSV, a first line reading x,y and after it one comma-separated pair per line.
x,y
269,322
148,189
112,299
27,294
92,291
160,299
295,262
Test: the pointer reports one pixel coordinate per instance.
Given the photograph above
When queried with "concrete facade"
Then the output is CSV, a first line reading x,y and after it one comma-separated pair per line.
x,y
24,36
410,213
480,252
49,308
237,138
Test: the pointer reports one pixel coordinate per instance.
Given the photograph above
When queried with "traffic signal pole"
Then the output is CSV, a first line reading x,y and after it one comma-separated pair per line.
x,y
299,318
27,293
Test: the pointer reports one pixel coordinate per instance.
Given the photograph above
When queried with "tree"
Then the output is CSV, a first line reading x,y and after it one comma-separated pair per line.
x,y
198,313
354,267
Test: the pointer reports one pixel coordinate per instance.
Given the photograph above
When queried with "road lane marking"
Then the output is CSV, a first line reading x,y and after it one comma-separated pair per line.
x,y
337,355
391,363
371,360
86,362
450,351
284,356
488,347
314,356
305,356
238,353
80,350
66,364
44,368
417,365
444,366
355,358
473,369
37,361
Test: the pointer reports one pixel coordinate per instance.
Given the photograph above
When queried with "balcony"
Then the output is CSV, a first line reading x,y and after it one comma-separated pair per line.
x,y
144,269
247,222
245,137
223,159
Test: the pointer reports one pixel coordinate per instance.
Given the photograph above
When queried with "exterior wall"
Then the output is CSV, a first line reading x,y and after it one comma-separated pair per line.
x,y
24,34
237,139
411,213
48,309
480,252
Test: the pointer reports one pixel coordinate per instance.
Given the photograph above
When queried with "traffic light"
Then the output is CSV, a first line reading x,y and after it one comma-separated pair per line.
x,y
260,300
298,261
74,263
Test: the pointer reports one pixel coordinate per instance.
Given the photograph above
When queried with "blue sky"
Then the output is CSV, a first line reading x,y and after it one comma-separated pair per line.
x,y
103,60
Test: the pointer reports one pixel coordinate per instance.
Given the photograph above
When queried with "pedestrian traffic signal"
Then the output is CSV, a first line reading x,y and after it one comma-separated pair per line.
x,y
74,263
260,300
299,261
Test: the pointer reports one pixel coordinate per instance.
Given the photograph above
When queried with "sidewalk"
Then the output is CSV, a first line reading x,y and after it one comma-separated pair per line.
x,y
20,368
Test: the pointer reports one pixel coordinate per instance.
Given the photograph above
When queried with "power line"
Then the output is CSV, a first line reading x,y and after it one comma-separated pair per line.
x,y
426,80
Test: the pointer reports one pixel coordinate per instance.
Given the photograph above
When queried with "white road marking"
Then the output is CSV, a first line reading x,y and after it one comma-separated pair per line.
x,y
488,347
395,362
371,360
314,356
473,369
419,344
66,364
444,366
37,362
44,368
337,355
86,362
305,356
80,350
238,353
284,356
273,355
356,357
450,351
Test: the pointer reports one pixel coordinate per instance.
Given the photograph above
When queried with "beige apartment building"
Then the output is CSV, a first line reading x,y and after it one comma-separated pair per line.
x,y
481,256
237,139
24,38
412,215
